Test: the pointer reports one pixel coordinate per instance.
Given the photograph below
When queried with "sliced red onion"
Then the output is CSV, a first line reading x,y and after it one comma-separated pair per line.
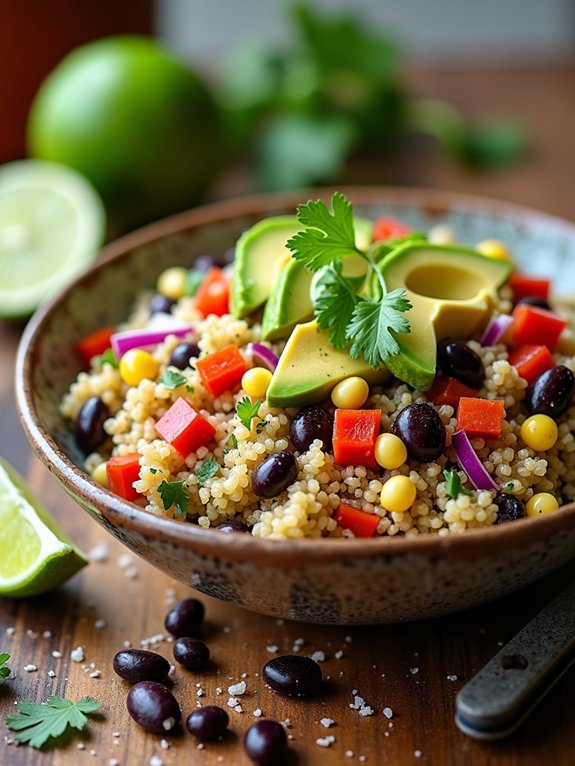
x,y
470,463
263,356
496,329
127,339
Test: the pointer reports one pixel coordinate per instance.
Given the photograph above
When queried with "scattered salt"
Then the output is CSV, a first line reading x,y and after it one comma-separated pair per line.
x,y
417,753
31,633
155,760
47,634
10,631
327,722
56,654
125,560
80,746
77,654
51,674
239,688
387,712
164,744
272,648
96,673
349,753
414,671
232,702
452,677
99,553
113,762
325,741
318,656
258,712
100,624
30,668
338,655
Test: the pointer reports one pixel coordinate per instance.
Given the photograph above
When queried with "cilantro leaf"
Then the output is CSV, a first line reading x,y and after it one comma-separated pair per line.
x,y
4,671
372,326
172,379
173,493
36,722
335,301
108,357
247,411
207,469
453,486
330,235
233,441
194,278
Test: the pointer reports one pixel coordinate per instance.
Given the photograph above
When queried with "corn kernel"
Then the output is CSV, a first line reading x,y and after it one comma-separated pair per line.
x,y
398,493
172,282
494,248
542,502
390,452
137,365
539,432
100,475
350,393
255,382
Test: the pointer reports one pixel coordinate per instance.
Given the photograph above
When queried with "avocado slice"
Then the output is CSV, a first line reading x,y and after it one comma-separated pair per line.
x,y
310,366
290,301
259,252
452,289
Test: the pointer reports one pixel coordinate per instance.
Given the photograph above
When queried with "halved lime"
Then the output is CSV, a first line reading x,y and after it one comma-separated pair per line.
x,y
52,223
35,554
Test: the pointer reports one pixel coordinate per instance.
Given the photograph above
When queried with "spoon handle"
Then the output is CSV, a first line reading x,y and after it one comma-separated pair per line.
x,y
503,693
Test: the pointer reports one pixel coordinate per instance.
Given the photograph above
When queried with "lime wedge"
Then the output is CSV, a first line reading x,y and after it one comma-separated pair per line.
x,y
52,223
35,555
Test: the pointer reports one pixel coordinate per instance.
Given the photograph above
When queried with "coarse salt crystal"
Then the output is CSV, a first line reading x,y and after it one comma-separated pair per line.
x,y
232,702
168,724
164,744
325,741
338,655
327,722
414,671
452,677
30,668
99,553
100,624
125,560
96,673
51,674
113,762
77,654
387,712
417,753
31,633
318,656
366,710
349,753
10,631
357,703
155,760
47,634
56,654
80,746
200,746
239,688
258,712
272,648
200,693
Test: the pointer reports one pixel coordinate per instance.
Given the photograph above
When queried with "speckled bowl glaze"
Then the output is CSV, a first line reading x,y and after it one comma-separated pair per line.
x,y
329,581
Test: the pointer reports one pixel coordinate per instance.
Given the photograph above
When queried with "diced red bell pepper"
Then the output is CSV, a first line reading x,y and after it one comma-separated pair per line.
x,y
354,436
481,417
184,428
524,286
531,361
122,471
535,326
387,227
222,370
94,344
213,294
362,524
446,390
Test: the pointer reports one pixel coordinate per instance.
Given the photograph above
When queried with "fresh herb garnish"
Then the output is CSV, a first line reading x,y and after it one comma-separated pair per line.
x,y
453,486
4,671
172,379
233,441
367,323
247,411
108,357
174,494
510,486
36,722
194,278
207,469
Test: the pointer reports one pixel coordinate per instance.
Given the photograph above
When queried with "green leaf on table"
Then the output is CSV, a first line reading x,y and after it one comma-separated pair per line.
x,y
4,670
36,722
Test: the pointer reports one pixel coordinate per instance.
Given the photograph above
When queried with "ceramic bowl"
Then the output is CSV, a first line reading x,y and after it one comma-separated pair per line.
x,y
330,581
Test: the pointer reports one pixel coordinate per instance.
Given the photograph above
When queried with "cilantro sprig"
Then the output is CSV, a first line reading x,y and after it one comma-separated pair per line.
x,y
247,411
208,468
4,670
36,722
173,494
453,486
367,323
172,379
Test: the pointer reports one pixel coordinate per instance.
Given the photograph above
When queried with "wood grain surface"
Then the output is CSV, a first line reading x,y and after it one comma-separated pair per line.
x,y
413,669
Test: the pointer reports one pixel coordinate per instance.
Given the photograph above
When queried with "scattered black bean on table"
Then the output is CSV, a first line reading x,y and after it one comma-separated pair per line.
x,y
154,708
208,722
185,618
136,665
293,675
192,653
266,743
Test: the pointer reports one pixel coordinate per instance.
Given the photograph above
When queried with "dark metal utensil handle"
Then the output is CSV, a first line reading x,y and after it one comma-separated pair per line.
x,y
497,700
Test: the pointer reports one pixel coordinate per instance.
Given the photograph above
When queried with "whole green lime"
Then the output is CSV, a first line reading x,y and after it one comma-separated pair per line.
x,y
138,123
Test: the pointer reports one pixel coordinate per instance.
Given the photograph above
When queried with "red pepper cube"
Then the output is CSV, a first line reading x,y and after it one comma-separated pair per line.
x,y
94,344
386,228
481,417
223,370
531,361
524,286
446,390
359,522
122,471
354,435
184,428
213,294
536,326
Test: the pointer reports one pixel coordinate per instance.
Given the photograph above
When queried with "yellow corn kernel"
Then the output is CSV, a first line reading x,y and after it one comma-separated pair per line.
x,y
542,502
398,493
351,393
137,365
494,248
539,432
100,475
255,382
390,451
172,282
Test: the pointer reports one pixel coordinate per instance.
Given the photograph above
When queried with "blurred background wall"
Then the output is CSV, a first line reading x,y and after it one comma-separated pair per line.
x,y
444,29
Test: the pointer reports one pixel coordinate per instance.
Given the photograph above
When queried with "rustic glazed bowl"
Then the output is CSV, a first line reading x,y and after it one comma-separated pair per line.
x,y
330,581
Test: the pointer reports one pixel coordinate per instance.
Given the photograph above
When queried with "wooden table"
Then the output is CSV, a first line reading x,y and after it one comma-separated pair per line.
x,y
415,670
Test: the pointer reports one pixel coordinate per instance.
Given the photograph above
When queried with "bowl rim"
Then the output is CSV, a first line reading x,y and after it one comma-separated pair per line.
x,y
241,547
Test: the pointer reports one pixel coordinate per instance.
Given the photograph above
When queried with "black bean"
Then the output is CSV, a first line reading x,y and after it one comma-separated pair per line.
x,y
181,354
233,525
135,665
153,707
266,743
274,474
457,360
293,675
422,431
551,393
160,304
509,507
204,263
185,618
89,426
312,423
209,722
535,300
191,653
